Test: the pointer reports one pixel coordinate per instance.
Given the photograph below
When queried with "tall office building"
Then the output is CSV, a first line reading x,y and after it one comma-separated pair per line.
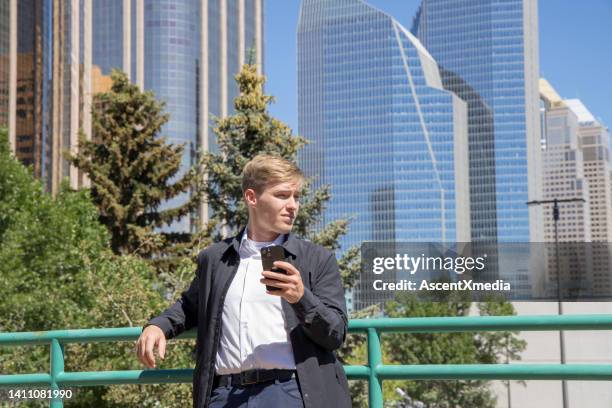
x,y
386,136
186,52
24,79
5,61
563,179
594,140
487,51
569,170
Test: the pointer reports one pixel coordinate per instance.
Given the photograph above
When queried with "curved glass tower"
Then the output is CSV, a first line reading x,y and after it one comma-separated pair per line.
x,y
385,135
487,51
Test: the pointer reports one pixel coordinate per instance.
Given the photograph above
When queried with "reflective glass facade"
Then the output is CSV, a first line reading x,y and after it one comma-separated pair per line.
x,y
26,143
250,35
108,34
51,93
214,60
172,49
172,52
46,108
385,135
233,33
31,85
65,53
487,53
5,26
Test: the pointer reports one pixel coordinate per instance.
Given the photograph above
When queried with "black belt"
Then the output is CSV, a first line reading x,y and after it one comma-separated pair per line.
x,y
252,377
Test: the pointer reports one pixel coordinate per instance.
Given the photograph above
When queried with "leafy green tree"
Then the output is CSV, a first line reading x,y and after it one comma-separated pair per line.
x,y
57,272
133,171
42,241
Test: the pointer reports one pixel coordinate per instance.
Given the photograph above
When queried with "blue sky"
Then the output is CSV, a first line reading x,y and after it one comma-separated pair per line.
x,y
575,51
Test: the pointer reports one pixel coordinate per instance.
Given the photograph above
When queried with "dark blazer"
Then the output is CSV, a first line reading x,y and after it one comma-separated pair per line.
x,y
317,323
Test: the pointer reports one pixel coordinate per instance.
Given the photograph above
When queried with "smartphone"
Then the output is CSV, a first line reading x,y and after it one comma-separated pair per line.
x,y
268,256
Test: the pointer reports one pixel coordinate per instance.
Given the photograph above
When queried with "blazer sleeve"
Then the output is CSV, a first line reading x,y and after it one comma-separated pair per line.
x,y
183,314
322,309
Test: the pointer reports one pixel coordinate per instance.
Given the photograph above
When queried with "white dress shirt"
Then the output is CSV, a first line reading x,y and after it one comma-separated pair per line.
x,y
254,333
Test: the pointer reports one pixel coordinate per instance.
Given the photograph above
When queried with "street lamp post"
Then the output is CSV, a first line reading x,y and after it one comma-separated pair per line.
x,y
556,217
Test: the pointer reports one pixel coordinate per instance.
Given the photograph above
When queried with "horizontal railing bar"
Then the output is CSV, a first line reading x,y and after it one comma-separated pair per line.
x,y
411,325
89,378
357,371
591,372
25,379
78,336
484,323
496,372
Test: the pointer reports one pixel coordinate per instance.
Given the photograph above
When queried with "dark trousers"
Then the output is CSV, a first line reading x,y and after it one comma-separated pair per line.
x,y
281,394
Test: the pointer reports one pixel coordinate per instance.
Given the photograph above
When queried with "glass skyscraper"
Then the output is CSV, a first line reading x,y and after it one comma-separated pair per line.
x,y
487,51
5,65
25,78
177,37
5,51
186,52
385,135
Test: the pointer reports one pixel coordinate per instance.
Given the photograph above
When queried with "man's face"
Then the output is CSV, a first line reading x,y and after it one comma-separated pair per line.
x,y
275,208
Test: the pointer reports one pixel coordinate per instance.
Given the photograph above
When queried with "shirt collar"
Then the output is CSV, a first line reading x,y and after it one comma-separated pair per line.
x,y
290,242
278,241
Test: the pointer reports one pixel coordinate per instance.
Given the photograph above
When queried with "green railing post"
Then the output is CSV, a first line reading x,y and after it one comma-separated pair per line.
x,y
57,368
374,361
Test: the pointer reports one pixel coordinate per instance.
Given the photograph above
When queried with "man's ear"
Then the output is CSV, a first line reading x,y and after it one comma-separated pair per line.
x,y
250,197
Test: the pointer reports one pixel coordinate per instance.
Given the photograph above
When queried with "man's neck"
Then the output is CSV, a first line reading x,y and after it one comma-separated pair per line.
x,y
259,235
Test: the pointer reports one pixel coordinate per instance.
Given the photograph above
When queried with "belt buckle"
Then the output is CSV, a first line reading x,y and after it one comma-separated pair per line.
x,y
244,378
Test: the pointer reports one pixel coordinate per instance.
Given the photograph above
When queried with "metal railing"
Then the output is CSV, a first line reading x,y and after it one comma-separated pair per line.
x,y
374,372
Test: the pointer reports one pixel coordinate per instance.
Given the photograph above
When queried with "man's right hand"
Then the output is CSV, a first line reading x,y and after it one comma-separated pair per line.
x,y
150,337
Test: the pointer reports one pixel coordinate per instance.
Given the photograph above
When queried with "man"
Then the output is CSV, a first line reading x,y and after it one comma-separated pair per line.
x,y
257,347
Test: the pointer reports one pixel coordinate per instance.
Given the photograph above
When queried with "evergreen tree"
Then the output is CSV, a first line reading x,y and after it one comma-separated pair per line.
x,y
57,273
133,171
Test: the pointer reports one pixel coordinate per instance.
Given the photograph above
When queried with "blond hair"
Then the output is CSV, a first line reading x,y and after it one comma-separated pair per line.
x,y
264,169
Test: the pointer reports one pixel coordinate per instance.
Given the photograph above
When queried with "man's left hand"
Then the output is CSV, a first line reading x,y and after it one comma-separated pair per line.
x,y
291,287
